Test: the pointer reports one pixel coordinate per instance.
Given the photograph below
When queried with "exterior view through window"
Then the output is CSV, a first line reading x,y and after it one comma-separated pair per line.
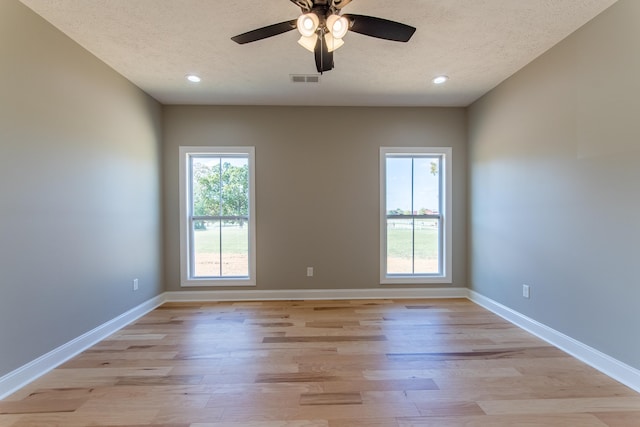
x,y
415,240
217,210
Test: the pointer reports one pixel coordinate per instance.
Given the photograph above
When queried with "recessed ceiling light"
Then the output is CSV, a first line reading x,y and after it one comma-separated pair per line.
x,y
193,78
440,79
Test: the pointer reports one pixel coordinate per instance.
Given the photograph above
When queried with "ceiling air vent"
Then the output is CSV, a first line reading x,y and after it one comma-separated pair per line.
x,y
305,78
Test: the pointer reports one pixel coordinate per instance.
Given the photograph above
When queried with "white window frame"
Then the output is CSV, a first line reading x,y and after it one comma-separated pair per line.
x,y
186,244
445,276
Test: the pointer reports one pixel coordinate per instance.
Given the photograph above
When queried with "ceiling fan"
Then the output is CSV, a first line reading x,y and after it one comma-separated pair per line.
x,y
322,28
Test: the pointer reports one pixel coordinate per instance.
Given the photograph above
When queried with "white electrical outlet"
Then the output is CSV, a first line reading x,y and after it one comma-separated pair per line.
x,y
135,284
309,271
525,291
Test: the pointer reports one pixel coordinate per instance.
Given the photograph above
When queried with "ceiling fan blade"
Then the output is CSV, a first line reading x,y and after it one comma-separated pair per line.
x,y
264,32
324,58
305,5
380,28
339,4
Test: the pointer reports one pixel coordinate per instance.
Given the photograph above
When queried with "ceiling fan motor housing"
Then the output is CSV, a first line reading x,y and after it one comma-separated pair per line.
x,y
327,7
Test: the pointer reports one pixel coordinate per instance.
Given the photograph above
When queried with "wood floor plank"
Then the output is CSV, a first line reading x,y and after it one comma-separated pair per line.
x,y
247,398
392,374
304,423
332,324
350,363
52,405
296,377
505,391
330,399
83,419
568,405
166,380
188,415
619,419
153,425
439,408
379,385
538,352
563,420
9,420
323,339
318,412
378,422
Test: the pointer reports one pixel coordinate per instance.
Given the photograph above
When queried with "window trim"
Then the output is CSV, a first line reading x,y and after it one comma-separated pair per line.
x,y
185,194
446,204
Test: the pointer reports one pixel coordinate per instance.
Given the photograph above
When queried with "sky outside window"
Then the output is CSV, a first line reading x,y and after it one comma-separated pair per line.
x,y
425,184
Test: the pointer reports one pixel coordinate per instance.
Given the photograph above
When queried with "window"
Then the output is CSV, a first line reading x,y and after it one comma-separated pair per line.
x,y
217,216
415,209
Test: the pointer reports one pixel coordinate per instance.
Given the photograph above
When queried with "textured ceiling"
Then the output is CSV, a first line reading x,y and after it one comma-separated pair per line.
x,y
477,43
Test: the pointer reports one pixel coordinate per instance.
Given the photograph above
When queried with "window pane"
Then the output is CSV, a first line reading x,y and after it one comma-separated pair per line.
x,y
426,248
205,174
398,171
235,245
235,186
426,185
206,249
399,246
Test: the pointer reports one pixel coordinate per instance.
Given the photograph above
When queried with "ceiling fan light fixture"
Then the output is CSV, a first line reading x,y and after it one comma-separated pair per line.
x,y
338,26
308,24
309,42
332,42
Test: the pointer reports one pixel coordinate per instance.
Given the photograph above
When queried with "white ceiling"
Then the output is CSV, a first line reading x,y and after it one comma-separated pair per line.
x,y
477,43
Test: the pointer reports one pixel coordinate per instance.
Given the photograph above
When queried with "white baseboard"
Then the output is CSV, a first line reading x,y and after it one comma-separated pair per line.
x,y
315,294
22,376
606,364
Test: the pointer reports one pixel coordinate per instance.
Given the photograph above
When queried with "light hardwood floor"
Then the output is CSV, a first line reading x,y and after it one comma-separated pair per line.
x,y
376,363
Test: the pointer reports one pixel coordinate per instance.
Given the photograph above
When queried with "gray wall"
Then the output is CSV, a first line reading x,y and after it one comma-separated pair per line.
x,y
79,190
317,197
554,175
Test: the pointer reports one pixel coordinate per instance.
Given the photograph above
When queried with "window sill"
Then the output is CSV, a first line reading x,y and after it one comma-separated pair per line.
x,y
195,283
415,280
